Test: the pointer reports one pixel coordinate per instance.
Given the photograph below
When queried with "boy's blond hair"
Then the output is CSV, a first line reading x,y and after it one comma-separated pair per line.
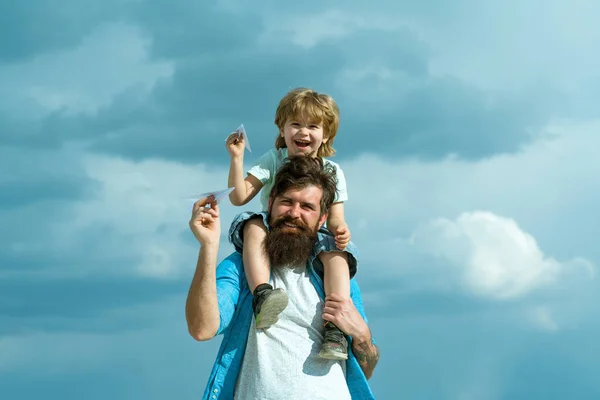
x,y
318,107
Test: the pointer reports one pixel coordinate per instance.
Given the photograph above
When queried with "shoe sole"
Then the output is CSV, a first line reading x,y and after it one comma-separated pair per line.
x,y
271,308
332,355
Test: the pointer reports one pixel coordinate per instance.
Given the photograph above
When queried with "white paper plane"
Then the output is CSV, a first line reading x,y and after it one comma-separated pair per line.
x,y
219,195
241,132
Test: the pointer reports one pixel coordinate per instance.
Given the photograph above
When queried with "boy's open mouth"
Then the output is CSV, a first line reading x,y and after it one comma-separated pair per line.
x,y
302,144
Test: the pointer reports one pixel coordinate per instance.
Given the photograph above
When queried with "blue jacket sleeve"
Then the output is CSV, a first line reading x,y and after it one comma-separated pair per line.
x,y
230,282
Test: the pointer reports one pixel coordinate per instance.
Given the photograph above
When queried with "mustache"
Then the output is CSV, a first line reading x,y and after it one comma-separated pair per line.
x,y
287,219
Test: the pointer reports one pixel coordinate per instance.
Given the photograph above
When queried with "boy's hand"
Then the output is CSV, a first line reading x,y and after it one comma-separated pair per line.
x,y
342,236
205,223
235,145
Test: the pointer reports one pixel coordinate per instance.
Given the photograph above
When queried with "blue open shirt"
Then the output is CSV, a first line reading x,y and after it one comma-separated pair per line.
x,y
235,310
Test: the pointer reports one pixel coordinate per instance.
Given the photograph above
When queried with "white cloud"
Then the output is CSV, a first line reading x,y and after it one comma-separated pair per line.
x,y
549,188
143,207
536,44
112,58
146,206
493,255
534,244
554,50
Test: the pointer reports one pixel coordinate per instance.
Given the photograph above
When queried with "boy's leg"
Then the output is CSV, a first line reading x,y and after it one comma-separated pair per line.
x,y
267,302
256,263
337,280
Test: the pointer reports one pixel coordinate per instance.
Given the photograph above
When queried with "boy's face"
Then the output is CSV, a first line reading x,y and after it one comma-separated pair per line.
x,y
303,136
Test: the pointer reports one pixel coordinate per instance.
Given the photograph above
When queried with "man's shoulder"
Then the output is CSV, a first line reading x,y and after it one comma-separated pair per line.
x,y
232,264
235,257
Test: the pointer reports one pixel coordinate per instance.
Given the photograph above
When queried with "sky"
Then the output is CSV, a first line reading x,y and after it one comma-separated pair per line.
x,y
469,139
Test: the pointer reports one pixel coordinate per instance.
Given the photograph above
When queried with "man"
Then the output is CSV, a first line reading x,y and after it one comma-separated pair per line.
x,y
281,362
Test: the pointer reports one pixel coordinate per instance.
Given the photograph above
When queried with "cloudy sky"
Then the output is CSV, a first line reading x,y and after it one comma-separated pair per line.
x,y
469,137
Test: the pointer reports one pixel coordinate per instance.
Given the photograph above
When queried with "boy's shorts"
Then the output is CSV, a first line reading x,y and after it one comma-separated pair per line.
x,y
325,242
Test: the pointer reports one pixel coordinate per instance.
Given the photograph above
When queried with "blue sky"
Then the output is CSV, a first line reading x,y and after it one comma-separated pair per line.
x,y
469,138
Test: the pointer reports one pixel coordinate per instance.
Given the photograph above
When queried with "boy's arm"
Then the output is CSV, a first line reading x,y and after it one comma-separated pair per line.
x,y
338,226
245,189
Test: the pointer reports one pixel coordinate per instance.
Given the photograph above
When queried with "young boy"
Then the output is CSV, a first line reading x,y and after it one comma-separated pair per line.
x,y
307,122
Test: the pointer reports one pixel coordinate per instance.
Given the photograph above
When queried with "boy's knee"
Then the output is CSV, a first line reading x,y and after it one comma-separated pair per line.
x,y
253,225
253,228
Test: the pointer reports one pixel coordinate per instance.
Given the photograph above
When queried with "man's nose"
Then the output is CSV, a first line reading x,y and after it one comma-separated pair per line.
x,y
295,211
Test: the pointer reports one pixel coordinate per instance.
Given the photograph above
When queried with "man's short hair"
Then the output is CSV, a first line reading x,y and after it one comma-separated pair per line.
x,y
299,172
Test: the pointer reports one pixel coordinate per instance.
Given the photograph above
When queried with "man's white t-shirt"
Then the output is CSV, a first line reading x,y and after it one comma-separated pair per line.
x,y
282,362
268,165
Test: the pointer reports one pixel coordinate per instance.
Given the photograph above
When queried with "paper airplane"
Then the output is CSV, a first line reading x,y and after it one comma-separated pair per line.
x,y
219,195
241,132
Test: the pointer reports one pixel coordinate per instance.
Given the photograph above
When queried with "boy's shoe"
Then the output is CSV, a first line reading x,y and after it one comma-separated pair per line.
x,y
268,303
335,344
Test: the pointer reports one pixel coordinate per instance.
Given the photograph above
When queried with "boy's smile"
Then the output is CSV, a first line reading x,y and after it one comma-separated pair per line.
x,y
303,136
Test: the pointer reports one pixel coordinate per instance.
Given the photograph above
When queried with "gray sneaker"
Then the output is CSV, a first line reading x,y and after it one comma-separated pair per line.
x,y
268,303
335,344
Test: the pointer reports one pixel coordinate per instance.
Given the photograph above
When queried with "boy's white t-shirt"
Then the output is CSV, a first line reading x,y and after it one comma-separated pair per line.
x,y
268,165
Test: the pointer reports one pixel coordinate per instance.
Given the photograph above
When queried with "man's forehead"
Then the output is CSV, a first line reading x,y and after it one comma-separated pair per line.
x,y
307,193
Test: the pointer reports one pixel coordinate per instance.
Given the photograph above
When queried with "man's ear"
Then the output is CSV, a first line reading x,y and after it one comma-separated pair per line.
x,y
323,219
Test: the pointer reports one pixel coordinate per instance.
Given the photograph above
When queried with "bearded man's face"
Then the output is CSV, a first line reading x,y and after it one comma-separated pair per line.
x,y
294,220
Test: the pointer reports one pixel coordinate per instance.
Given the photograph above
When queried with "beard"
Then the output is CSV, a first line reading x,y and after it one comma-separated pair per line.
x,y
287,246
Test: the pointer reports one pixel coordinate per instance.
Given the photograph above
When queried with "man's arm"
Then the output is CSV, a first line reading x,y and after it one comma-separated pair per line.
x,y
343,313
366,353
201,307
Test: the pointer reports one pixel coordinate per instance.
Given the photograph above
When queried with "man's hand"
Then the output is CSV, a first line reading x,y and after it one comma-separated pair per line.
x,y
342,312
342,236
345,316
235,145
205,223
